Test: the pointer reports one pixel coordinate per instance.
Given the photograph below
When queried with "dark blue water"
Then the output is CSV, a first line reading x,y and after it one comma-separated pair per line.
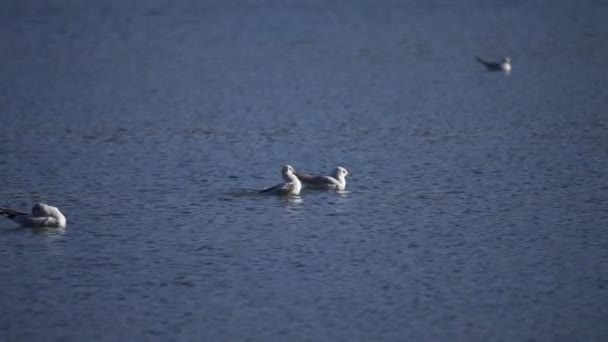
x,y
477,209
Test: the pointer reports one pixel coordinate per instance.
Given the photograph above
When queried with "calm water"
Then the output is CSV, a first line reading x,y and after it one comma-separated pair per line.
x,y
477,209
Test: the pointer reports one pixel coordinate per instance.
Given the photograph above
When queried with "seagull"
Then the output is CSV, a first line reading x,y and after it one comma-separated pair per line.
x,y
504,65
337,180
291,186
42,215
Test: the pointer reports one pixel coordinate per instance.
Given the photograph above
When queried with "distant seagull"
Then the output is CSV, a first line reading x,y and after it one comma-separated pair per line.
x,y
291,186
43,215
504,65
337,180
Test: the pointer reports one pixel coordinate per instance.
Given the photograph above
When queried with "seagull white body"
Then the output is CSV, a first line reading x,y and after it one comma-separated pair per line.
x,y
43,215
504,65
337,180
291,186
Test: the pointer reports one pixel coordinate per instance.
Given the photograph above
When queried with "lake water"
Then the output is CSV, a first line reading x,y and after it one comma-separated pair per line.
x,y
477,209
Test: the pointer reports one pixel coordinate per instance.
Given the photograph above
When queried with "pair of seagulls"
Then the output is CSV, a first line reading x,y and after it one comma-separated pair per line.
x,y
293,180
504,65
43,215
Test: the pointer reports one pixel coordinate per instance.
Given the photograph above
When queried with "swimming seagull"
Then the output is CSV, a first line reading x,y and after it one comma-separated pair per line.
x,y
42,215
291,186
504,65
337,181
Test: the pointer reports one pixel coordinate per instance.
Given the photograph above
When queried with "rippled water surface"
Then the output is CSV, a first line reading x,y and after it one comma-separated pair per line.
x,y
477,208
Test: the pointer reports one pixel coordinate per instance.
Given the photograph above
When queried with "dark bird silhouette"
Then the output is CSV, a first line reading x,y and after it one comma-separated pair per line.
x,y
504,65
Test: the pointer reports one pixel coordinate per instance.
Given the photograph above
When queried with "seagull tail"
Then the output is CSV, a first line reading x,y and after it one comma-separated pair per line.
x,y
304,177
481,61
9,213
267,189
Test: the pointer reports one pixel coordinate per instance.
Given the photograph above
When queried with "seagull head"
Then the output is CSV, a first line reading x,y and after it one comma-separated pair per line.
x,y
39,209
287,169
341,172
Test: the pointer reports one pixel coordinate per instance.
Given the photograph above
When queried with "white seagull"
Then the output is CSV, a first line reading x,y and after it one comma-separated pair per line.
x,y
291,186
42,215
504,65
337,181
